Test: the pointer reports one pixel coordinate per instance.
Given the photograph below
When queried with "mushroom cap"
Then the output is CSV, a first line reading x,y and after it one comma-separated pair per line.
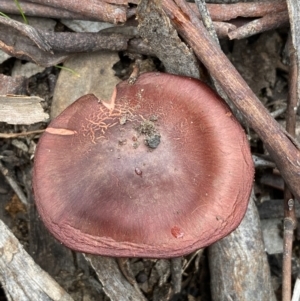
x,y
160,171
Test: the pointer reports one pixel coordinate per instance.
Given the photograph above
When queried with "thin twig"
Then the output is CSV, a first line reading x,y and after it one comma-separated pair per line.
x,y
206,19
15,135
28,31
95,9
14,185
197,253
40,10
289,226
290,220
268,22
198,24
225,12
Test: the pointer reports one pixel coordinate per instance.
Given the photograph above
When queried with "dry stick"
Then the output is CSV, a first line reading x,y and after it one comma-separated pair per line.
x,y
294,13
38,10
91,8
272,180
28,31
15,135
70,42
206,19
225,12
223,28
281,148
290,220
268,22
18,42
289,226
198,24
13,184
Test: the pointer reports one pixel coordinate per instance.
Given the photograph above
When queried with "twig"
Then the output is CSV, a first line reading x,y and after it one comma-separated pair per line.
x,y
206,19
197,253
225,12
289,226
294,13
40,10
28,31
95,9
9,178
49,48
268,22
290,220
280,146
70,42
272,180
294,94
223,28
218,12
15,135
198,25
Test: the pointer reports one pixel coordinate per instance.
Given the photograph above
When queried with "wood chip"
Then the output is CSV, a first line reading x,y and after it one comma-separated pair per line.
x,y
21,109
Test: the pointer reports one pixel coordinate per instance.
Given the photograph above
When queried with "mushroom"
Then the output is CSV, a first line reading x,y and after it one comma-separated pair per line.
x,y
161,170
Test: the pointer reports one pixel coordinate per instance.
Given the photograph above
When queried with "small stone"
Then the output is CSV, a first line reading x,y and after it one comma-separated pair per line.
x,y
153,141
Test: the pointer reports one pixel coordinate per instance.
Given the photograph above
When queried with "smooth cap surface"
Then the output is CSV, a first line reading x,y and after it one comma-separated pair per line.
x,y
161,171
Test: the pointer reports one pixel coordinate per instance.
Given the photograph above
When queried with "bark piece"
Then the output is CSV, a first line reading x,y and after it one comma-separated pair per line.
x,y
238,263
154,26
22,110
20,277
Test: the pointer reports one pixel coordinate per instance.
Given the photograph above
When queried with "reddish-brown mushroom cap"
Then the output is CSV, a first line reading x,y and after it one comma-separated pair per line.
x,y
161,171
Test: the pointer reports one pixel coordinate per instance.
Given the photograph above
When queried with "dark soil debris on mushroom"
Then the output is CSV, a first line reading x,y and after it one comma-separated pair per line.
x,y
148,129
